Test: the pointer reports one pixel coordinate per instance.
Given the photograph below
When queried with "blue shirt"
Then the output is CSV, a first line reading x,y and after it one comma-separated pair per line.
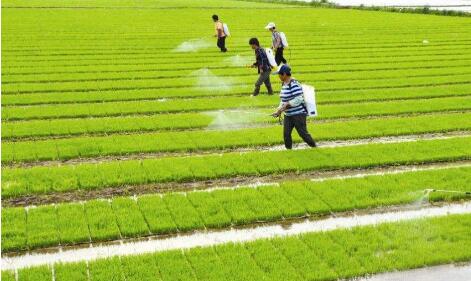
x,y
289,92
262,62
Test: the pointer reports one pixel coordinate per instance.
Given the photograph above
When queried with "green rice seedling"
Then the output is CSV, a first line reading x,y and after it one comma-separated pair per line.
x,y
333,255
174,266
101,220
185,215
144,269
42,227
13,229
209,209
235,206
342,253
156,214
8,275
366,192
307,263
72,224
109,269
363,246
116,173
272,262
238,262
71,272
206,264
312,203
130,220
262,207
73,147
40,273
288,205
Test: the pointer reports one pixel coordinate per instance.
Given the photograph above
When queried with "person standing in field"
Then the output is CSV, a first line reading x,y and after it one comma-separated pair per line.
x,y
292,104
263,66
220,34
277,43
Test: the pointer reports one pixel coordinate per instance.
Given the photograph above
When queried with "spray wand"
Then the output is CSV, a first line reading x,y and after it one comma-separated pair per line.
x,y
431,190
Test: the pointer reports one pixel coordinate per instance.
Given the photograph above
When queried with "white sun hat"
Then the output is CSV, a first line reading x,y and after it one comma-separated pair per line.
x,y
270,25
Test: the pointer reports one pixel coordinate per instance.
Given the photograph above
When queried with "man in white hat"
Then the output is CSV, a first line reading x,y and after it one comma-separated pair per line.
x,y
277,43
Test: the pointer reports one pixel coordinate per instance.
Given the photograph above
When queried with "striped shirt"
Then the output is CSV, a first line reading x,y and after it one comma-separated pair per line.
x,y
292,91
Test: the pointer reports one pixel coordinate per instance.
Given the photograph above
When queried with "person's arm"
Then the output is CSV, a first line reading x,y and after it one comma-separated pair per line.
x,y
296,101
257,58
283,106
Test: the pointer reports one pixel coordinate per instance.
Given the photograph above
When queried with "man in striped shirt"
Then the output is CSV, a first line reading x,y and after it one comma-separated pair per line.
x,y
292,104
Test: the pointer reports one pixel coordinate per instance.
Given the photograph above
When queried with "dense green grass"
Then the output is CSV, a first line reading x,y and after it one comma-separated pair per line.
x,y
187,141
87,69
152,214
37,180
313,256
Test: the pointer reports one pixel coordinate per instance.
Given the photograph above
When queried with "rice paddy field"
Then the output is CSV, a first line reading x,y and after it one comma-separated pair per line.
x,y
124,127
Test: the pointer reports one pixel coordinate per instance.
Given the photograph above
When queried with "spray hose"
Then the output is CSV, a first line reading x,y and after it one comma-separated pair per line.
x,y
430,190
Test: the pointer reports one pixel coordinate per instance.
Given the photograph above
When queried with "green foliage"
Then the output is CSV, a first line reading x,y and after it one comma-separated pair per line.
x,y
21,181
101,220
129,218
41,227
71,272
72,224
221,208
41,273
311,256
13,229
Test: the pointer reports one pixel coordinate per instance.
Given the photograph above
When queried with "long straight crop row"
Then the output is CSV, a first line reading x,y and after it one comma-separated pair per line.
x,y
189,85
195,104
98,220
298,40
153,62
187,141
177,59
49,179
334,255
191,64
241,49
327,111
325,73
163,122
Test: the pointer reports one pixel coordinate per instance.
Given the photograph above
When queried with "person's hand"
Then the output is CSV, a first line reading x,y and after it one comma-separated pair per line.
x,y
275,114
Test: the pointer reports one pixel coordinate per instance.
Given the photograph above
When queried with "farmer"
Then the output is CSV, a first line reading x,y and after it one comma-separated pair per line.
x,y
277,43
219,28
292,104
263,66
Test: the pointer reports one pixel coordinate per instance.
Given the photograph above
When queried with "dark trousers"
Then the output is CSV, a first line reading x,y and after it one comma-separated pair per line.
x,y
222,43
264,78
279,56
298,122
